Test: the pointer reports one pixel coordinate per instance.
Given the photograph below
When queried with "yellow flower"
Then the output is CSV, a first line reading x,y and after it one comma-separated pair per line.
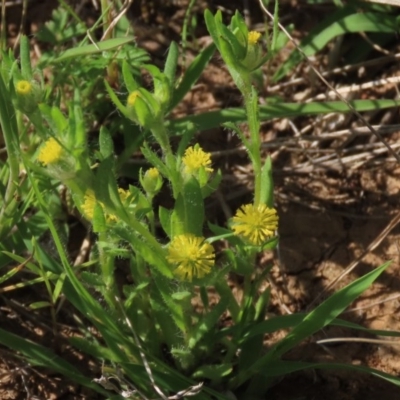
x,y
255,223
23,88
195,158
253,37
192,256
123,194
50,152
152,173
132,98
89,202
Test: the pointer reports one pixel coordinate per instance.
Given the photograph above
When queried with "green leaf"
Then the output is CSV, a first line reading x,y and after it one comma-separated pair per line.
x,y
86,50
188,214
192,74
267,184
323,315
91,279
279,368
116,100
205,327
213,371
338,24
179,296
171,63
213,119
165,219
106,142
271,243
154,159
175,309
129,80
42,356
26,67
212,184
211,25
39,304
99,220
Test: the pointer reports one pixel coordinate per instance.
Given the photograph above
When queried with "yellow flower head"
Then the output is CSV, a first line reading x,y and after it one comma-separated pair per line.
x,y
152,173
132,98
255,223
23,88
123,194
89,203
195,158
50,153
253,37
192,256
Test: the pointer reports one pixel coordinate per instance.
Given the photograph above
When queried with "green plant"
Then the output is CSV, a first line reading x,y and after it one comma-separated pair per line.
x,y
151,338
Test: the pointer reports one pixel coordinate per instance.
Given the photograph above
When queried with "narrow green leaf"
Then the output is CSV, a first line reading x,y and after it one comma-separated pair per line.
x,y
279,368
26,67
39,304
42,356
188,214
267,184
86,50
323,315
213,119
129,80
335,26
116,100
213,371
165,220
105,142
192,74
171,63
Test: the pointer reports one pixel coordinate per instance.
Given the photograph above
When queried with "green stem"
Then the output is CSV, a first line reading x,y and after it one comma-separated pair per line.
x,y
107,271
10,133
253,119
160,133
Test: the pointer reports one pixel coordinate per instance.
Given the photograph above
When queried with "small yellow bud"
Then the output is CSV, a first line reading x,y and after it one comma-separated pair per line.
x,y
23,88
132,98
151,181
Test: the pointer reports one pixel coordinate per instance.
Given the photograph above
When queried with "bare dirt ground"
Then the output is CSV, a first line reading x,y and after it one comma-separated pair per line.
x,y
337,191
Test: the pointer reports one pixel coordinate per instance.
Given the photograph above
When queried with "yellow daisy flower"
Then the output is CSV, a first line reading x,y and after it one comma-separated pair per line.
x,y
192,256
253,37
195,158
50,152
23,88
255,223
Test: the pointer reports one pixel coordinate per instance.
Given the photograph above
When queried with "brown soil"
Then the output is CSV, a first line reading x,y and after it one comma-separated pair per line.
x,y
332,213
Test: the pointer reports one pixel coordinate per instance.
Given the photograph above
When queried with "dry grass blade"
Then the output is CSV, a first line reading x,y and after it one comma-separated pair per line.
x,y
395,3
355,112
